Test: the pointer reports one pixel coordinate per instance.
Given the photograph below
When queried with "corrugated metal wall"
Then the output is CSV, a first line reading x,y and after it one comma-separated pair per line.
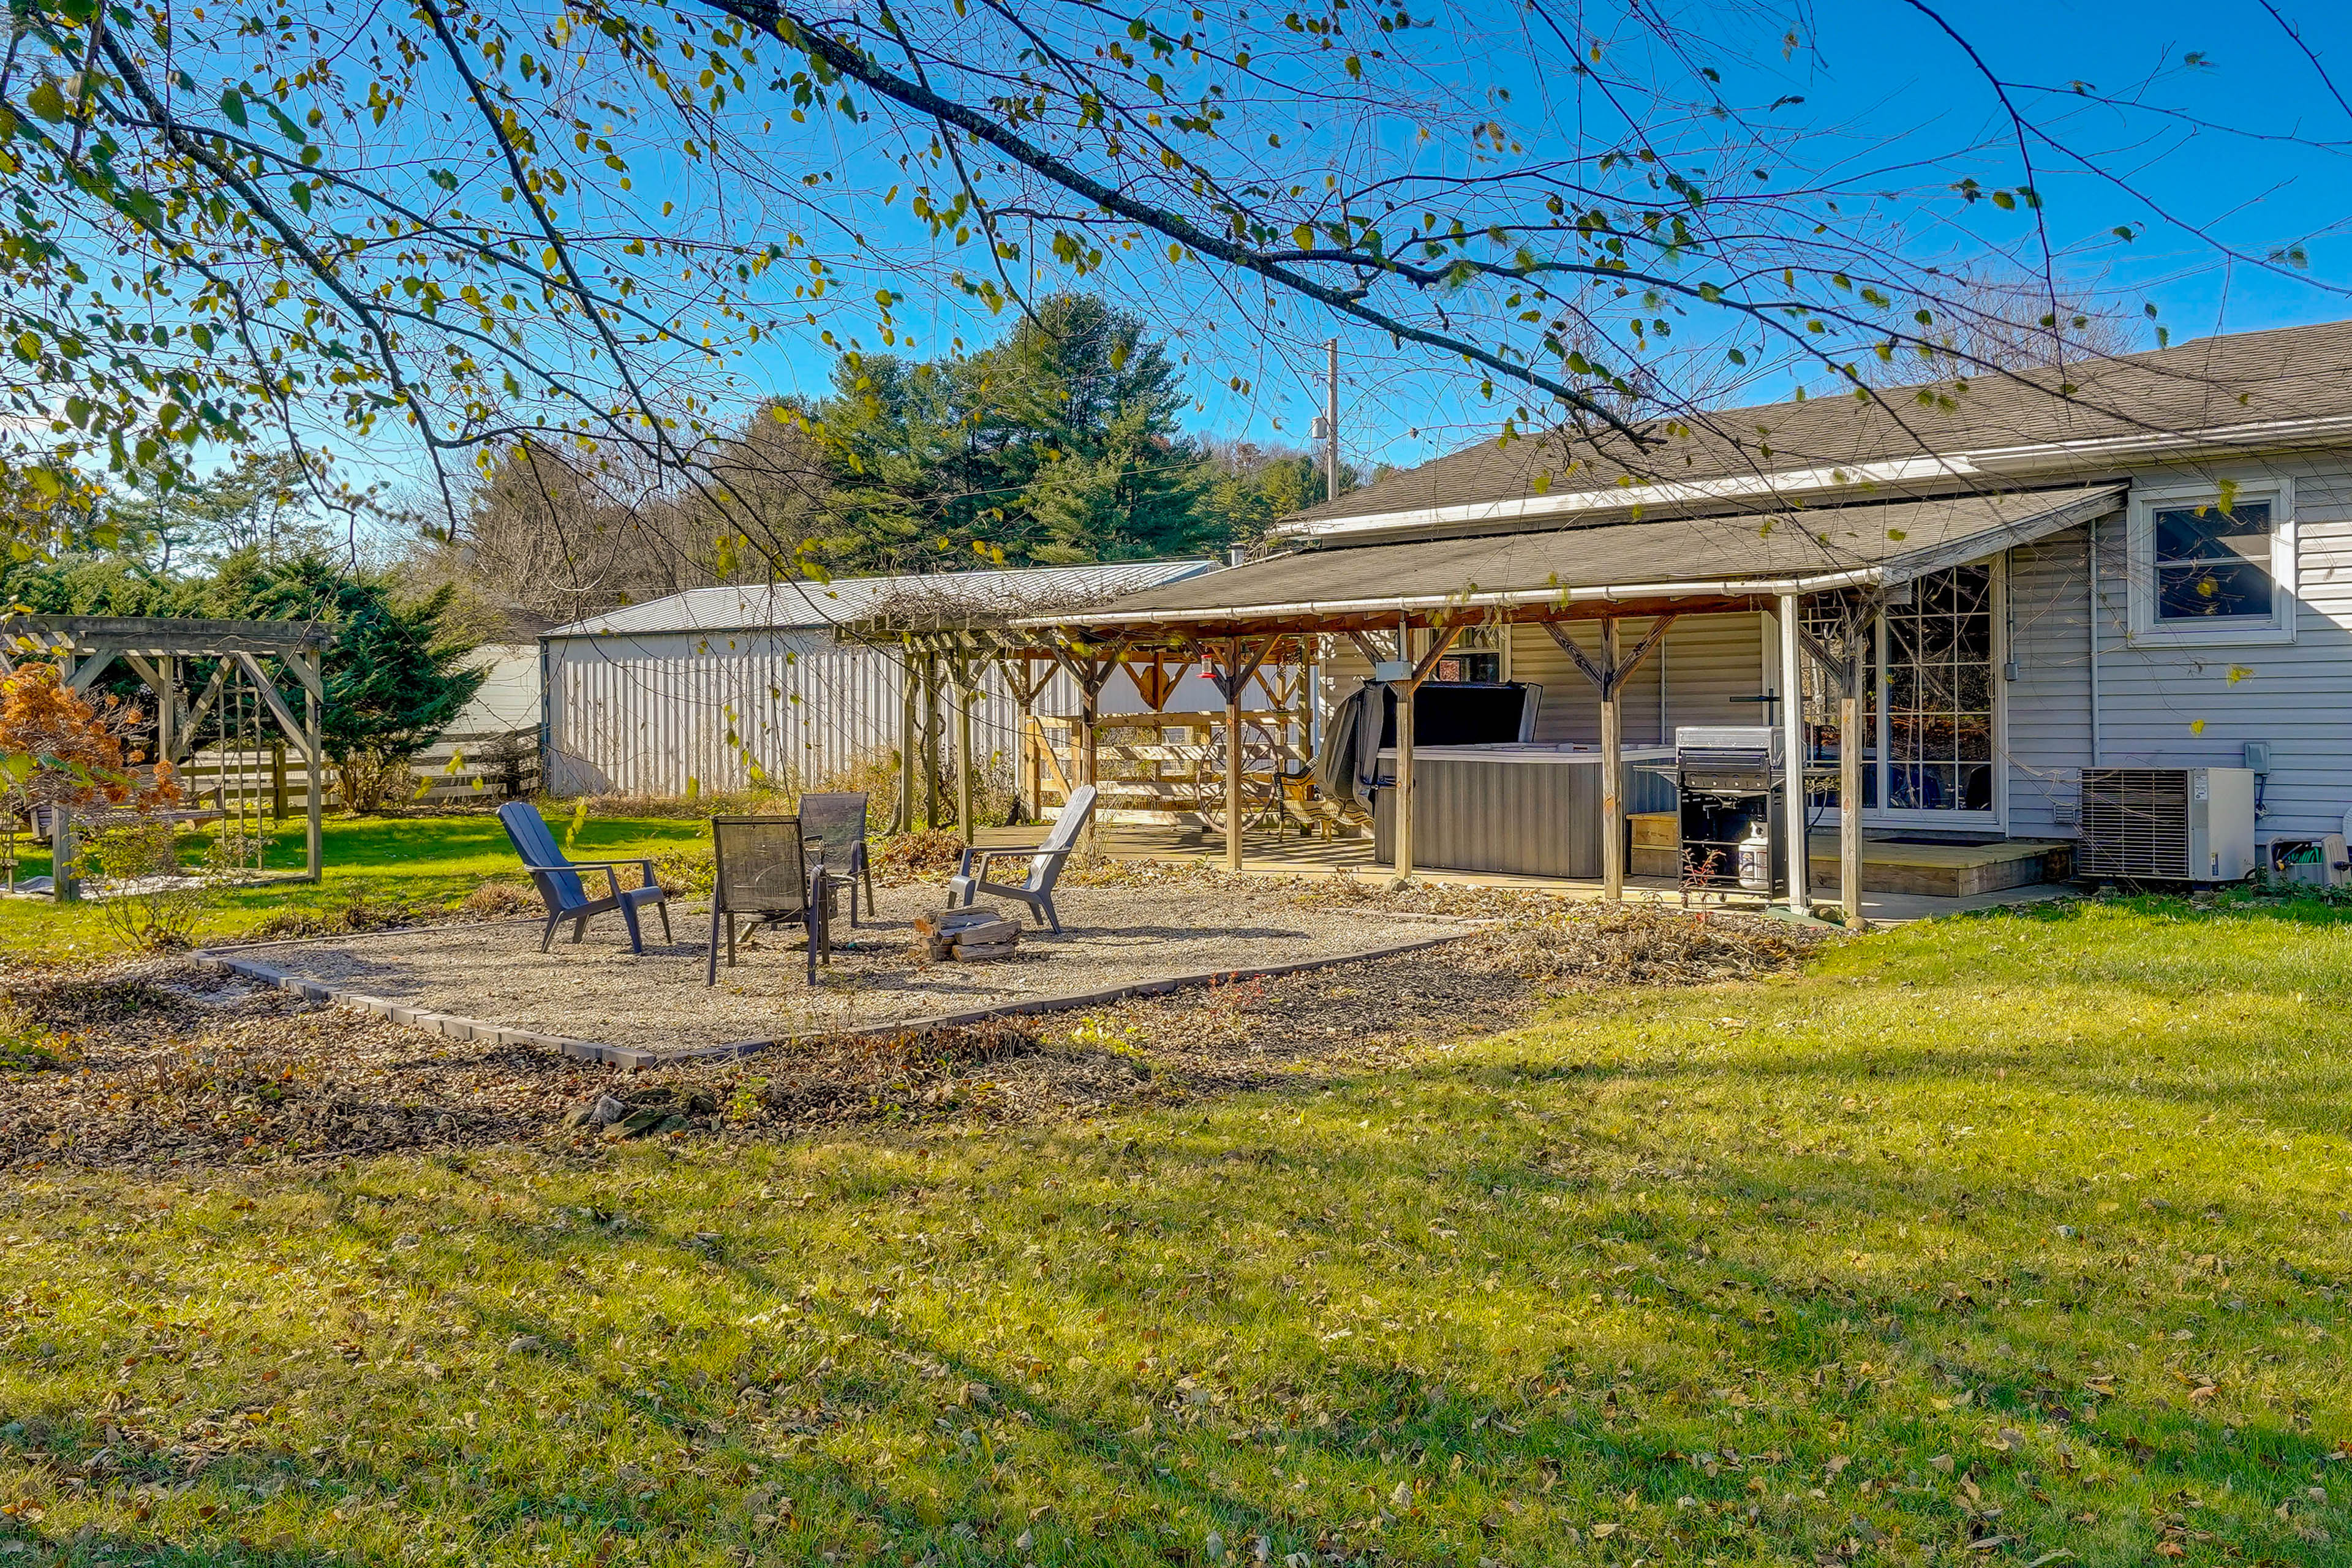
x,y
647,712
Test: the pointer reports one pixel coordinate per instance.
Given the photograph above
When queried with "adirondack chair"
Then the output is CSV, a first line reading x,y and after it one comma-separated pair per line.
x,y
765,872
1036,889
560,886
839,820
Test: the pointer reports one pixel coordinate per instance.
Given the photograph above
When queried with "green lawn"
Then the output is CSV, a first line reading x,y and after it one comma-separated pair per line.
x,y
425,860
1983,1242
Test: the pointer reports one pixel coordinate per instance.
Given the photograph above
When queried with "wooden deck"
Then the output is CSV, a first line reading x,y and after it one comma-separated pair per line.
x,y
1267,855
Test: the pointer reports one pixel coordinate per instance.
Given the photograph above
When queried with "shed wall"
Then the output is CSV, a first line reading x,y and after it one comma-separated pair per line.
x,y
653,713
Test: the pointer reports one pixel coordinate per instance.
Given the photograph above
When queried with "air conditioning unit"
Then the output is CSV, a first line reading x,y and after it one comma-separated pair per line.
x,y
2167,824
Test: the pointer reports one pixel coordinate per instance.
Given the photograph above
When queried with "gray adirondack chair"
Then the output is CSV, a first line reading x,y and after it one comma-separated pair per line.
x,y
838,817
1036,889
765,873
559,884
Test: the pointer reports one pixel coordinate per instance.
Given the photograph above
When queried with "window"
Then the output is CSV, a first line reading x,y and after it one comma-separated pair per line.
x,y
2211,565
1476,655
1927,716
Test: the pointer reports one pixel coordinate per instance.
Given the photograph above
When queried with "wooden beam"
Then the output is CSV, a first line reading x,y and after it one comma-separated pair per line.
x,y
294,729
80,676
1612,765
1850,787
903,820
1792,733
308,666
1440,642
959,670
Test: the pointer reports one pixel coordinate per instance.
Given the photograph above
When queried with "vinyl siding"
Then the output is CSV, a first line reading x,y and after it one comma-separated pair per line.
x,y
1707,661
2184,707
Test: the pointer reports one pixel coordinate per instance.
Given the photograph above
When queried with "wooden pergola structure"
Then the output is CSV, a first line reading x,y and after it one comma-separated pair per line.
x,y
1409,641
154,647
959,649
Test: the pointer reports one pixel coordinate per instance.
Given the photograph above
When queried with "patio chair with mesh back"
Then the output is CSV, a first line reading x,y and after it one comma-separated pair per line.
x,y
1035,888
839,820
766,873
559,884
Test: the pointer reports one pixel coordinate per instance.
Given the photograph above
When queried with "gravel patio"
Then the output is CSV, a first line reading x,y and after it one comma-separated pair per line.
x,y
1113,938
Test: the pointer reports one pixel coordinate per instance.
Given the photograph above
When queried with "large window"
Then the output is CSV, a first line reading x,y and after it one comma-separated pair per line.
x,y
1927,717
2210,565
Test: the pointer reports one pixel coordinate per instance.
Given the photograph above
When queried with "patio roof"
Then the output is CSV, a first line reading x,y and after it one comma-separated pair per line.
x,y
1679,564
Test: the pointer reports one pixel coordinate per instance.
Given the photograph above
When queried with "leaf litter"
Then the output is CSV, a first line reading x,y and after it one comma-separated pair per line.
x,y
167,1063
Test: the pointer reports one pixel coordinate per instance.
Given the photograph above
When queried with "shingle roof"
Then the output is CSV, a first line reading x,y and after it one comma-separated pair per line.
x,y
807,604
2242,387
1714,557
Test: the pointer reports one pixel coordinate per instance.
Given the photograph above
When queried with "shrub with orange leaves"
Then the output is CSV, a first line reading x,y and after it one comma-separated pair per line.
x,y
58,747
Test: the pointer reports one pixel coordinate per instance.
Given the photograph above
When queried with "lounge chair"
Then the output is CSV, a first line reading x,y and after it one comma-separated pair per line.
x,y
1036,889
839,820
558,880
765,872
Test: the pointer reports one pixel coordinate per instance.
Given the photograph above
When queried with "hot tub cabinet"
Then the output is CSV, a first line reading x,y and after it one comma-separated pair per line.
x,y
1522,810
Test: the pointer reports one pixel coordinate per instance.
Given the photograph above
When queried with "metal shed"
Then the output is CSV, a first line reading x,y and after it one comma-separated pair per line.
x,y
721,688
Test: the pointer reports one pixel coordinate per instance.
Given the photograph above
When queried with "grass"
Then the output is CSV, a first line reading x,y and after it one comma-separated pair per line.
x,y
1988,1241
422,860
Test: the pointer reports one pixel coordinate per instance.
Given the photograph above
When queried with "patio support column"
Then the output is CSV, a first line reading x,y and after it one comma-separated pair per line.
x,y
960,672
1440,642
310,668
909,675
930,741
1231,674
1849,780
1608,677
1792,761
1613,768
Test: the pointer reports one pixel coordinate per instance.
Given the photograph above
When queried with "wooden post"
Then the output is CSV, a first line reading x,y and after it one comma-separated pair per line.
x,y
960,672
1613,765
1024,696
167,704
277,781
63,886
904,822
1849,774
314,740
1089,697
1793,762
1404,773
1232,694
931,739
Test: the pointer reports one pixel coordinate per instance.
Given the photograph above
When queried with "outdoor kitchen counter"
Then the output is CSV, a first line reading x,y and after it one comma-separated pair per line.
x,y
1526,809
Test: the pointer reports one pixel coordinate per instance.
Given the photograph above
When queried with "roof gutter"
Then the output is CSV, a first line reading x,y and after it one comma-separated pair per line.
x,y
1982,463
1722,588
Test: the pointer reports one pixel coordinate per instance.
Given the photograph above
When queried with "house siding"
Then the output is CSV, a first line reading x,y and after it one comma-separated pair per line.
x,y
1707,661
2184,706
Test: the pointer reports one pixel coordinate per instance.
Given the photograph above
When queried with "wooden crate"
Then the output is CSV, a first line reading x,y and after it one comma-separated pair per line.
x,y
1649,862
1656,829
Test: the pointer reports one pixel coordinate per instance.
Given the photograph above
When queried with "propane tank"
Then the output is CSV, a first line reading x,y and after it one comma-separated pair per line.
x,y
1755,857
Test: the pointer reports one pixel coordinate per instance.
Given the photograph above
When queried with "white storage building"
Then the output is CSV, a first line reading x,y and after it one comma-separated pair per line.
x,y
722,689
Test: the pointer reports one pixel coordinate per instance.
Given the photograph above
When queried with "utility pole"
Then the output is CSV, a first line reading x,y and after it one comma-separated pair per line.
x,y
1326,427
1331,423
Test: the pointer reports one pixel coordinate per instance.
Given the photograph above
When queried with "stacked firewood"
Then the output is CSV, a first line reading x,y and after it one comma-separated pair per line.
x,y
966,936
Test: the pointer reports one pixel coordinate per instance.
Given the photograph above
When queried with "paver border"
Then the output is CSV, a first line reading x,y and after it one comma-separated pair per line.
x,y
636,1059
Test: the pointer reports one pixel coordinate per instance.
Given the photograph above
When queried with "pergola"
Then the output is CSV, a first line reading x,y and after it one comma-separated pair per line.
x,y
957,644
86,646
1838,563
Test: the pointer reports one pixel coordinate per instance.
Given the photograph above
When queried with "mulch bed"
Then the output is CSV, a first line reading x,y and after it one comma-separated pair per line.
x,y
165,1064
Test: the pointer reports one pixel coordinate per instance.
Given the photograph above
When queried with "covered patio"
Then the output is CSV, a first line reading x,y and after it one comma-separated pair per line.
x,y
1823,580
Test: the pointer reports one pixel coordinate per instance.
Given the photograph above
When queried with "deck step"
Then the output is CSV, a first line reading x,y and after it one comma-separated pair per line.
x,y
1944,870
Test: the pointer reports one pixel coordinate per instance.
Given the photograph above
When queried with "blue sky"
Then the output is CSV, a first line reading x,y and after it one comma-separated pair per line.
x,y
1896,106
